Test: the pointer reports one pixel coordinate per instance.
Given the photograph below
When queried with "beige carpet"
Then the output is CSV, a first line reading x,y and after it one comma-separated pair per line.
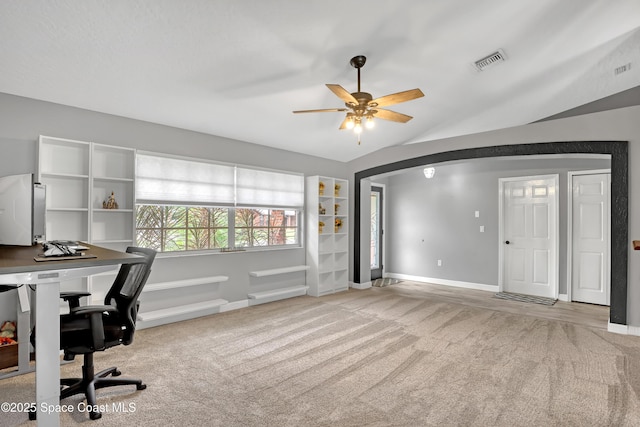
x,y
367,358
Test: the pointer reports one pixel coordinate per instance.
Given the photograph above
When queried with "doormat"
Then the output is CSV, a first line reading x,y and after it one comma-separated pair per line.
x,y
379,283
526,298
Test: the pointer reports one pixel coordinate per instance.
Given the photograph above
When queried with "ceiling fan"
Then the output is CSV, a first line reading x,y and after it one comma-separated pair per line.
x,y
361,107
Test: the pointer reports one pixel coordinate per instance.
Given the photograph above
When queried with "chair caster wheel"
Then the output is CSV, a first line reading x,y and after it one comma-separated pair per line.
x,y
116,373
95,415
141,386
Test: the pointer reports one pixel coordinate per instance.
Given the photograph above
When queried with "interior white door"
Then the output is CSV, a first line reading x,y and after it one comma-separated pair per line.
x,y
530,253
590,233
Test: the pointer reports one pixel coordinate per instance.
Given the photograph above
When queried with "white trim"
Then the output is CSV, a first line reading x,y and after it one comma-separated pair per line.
x,y
563,297
384,224
365,285
623,329
556,243
446,282
570,176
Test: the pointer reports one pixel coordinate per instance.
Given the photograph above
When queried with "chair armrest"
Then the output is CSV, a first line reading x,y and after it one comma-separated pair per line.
x,y
95,315
73,297
90,309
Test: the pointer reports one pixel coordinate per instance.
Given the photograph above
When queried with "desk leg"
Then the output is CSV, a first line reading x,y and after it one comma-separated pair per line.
x,y
48,353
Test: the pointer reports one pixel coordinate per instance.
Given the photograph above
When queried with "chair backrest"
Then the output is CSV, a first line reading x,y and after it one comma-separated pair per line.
x,y
127,287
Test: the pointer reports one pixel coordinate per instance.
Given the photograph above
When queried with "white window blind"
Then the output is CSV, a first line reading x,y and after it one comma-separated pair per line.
x,y
255,187
169,180
179,181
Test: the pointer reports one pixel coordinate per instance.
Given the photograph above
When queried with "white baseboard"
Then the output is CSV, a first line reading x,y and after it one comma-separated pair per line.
x,y
446,282
623,329
235,305
563,297
365,285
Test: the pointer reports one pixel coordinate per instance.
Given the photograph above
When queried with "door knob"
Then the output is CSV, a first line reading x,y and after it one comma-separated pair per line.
x,y
507,242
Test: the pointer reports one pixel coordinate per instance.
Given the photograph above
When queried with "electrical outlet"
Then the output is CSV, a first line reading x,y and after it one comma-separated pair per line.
x,y
477,214
482,228
439,263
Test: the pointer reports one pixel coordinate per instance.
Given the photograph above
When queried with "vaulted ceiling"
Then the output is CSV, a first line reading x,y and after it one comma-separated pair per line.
x,y
237,69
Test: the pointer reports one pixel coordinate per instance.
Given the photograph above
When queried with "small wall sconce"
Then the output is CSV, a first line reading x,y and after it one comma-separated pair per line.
x,y
429,172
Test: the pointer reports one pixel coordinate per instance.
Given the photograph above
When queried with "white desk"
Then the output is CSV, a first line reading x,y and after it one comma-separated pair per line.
x,y
17,266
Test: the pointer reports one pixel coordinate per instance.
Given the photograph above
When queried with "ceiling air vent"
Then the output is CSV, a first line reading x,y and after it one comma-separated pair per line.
x,y
489,60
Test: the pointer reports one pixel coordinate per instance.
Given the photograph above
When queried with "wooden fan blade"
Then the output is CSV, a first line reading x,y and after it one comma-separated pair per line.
x,y
323,110
396,98
342,93
392,115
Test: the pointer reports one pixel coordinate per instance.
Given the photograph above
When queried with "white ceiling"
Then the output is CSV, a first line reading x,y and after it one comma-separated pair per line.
x,y
237,68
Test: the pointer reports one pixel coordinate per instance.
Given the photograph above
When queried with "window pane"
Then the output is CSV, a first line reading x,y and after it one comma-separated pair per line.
x,y
148,216
242,238
260,237
244,217
277,236
197,238
220,238
149,238
291,236
198,217
174,240
175,217
219,217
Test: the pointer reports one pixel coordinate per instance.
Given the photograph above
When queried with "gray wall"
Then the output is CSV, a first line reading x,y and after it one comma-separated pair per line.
x,y
434,219
616,125
22,120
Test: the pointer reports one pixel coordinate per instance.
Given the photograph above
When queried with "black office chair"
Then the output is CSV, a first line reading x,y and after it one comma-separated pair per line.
x,y
92,328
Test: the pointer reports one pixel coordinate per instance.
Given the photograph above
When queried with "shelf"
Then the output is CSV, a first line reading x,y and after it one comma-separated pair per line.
x,y
276,271
112,211
276,294
185,283
178,313
112,179
63,175
327,255
68,209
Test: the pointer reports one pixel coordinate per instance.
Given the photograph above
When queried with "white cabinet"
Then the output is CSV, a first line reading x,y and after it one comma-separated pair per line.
x,y
327,232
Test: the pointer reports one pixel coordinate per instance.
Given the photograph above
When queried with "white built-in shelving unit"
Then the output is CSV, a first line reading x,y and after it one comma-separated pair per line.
x,y
79,176
327,245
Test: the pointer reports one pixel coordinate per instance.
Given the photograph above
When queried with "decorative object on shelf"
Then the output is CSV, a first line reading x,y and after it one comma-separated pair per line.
x,y
335,209
338,224
321,210
321,189
337,190
320,225
110,203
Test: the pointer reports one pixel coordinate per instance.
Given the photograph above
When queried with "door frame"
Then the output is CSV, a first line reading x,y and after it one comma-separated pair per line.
x,y
570,176
383,240
501,233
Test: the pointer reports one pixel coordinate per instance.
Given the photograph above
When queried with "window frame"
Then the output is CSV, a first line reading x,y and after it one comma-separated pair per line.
x,y
231,226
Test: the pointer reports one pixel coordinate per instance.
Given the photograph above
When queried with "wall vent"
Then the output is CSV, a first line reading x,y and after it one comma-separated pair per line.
x,y
489,60
622,69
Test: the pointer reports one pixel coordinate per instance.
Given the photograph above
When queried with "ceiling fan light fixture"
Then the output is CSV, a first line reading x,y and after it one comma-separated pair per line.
x,y
369,123
361,106
350,123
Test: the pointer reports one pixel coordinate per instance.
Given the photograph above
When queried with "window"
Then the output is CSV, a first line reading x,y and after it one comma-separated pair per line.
x,y
186,205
